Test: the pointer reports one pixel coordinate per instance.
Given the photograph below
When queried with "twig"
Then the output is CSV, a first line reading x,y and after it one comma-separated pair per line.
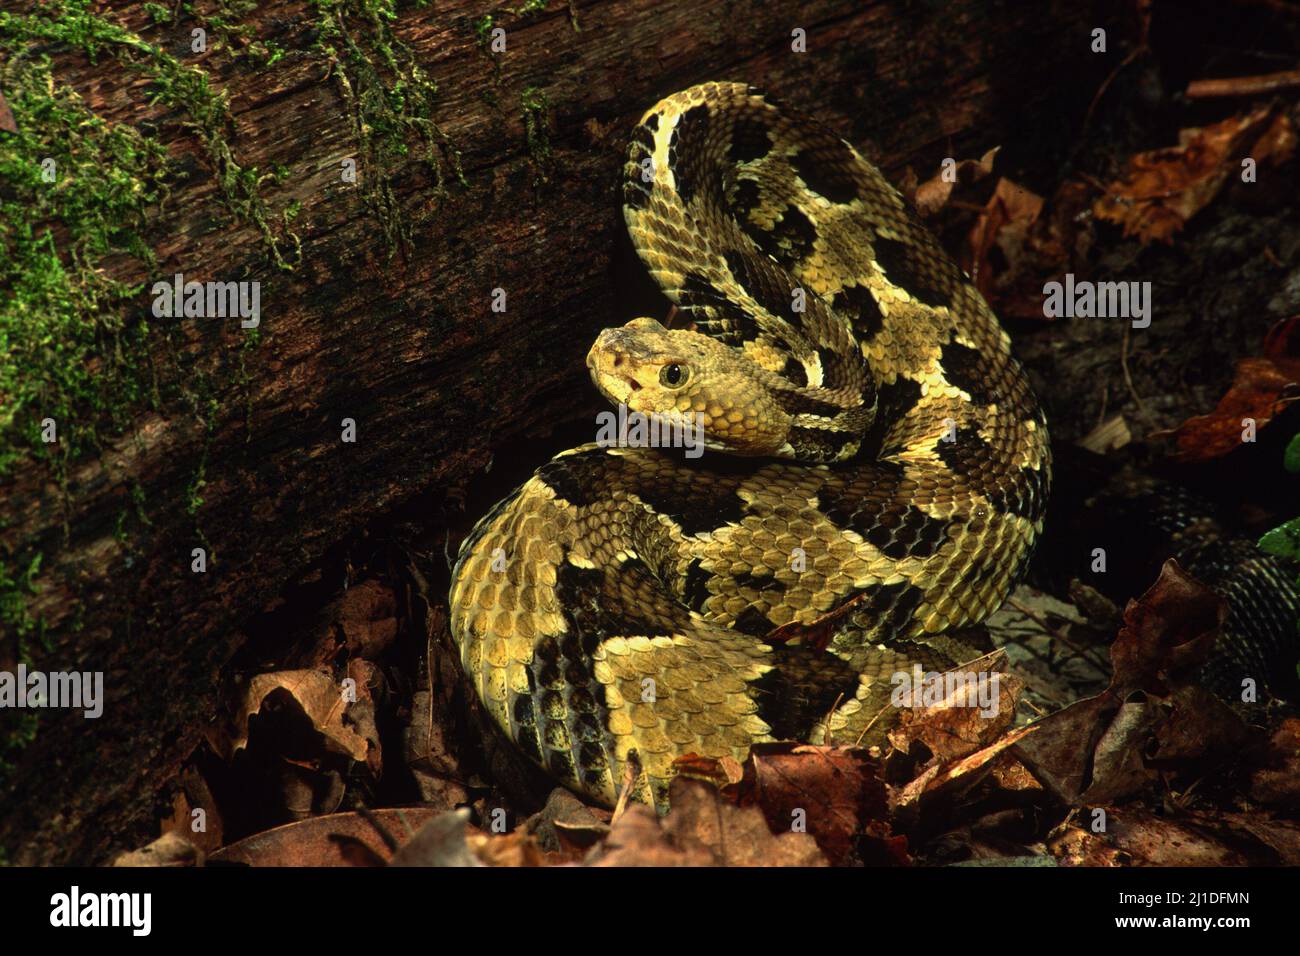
x,y
630,773
1128,378
1244,85
827,737
870,724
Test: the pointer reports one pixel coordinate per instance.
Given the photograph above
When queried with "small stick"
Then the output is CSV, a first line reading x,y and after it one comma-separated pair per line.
x,y
1244,85
625,790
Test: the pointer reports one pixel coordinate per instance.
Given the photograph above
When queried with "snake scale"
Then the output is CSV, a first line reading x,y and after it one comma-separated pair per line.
x,y
874,453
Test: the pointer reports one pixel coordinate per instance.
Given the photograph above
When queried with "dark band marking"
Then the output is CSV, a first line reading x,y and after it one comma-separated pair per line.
x,y
906,533
762,284
795,373
860,307
753,622
817,444
1026,496
795,403
695,586
686,151
576,478
694,506
745,196
749,140
892,400
929,279
967,455
789,241
715,313
800,690
636,191
828,171
890,607
968,370
764,583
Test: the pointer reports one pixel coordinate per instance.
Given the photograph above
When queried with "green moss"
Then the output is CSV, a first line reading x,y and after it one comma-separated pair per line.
x,y
390,100
65,349
71,23
15,587
157,12
77,193
536,107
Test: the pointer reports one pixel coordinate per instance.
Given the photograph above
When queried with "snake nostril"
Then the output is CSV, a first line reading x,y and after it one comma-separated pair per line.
x,y
618,360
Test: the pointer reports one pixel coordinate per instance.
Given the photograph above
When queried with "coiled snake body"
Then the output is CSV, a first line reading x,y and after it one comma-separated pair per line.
x,y
874,454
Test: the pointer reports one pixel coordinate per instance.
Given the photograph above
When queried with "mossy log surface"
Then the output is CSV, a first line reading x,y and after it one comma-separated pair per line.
x,y
386,315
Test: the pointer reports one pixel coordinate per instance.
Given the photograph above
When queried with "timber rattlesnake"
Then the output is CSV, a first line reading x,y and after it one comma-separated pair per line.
x,y
877,452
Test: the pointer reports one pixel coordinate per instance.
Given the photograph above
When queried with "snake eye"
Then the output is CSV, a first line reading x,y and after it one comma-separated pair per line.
x,y
673,375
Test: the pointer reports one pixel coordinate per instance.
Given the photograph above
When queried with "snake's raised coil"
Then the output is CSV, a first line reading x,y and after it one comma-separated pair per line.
x,y
872,447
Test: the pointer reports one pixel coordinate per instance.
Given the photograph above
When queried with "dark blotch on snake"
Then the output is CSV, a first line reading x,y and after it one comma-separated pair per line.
x,y
749,141
826,170
789,241
800,690
687,148
753,622
967,369
761,281
922,278
967,455
860,307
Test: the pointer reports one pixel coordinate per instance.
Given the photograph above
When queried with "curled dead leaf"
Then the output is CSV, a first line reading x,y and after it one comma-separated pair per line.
x,y
933,194
1261,388
344,727
1163,188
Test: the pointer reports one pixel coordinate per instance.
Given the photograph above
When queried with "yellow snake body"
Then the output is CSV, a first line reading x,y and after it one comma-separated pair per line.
x,y
875,459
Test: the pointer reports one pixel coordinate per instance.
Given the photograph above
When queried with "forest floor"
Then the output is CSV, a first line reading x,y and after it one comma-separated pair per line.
x,y
1106,751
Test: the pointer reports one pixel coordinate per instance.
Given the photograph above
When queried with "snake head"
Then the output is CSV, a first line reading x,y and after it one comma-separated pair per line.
x,y
668,373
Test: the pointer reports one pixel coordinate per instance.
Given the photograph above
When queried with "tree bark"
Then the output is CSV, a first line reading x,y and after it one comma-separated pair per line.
x,y
402,338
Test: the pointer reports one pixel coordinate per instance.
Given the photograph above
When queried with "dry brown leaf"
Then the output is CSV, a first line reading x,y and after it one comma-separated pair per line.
x,y
701,829
953,729
193,793
365,617
1277,782
637,839
946,780
933,194
1019,241
442,841
736,836
836,792
170,849
1094,748
1162,189
327,840
1135,836
325,705
1261,388
505,849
